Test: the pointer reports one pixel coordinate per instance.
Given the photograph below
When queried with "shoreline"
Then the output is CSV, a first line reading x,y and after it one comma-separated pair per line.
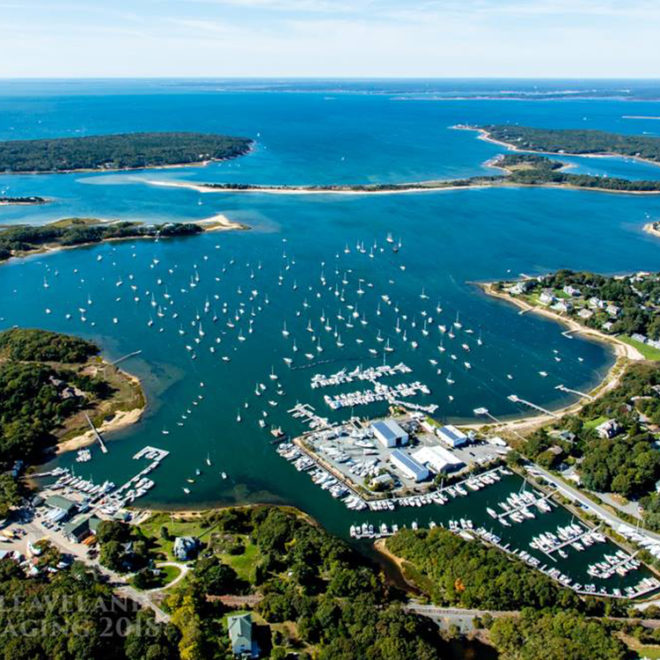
x,y
624,353
103,170
217,222
440,185
486,137
650,228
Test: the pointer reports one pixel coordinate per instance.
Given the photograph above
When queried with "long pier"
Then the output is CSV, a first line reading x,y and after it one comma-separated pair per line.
x,y
104,449
125,357
516,399
563,388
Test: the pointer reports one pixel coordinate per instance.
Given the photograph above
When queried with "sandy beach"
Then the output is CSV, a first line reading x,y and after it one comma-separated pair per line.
x,y
650,228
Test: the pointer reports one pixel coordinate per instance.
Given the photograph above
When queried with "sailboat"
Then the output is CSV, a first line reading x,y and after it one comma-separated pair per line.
x,y
208,460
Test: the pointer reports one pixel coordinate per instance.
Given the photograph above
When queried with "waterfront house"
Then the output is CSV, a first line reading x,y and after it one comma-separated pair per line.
x,y
239,628
585,313
408,466
389,433
563,306
613,310
547,297
519,288
608,429
607,326
452,436
185,547
572,291
596,303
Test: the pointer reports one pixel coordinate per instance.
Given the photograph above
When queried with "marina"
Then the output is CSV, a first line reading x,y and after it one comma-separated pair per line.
x,y
228,330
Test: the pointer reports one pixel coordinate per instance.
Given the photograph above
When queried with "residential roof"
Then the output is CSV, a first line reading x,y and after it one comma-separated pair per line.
x,y
240,630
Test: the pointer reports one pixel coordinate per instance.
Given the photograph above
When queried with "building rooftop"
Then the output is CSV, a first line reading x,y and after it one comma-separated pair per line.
x,y
389,429
59,502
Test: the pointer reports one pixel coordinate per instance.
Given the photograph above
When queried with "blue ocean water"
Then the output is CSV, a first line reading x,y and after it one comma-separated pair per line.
x,y
295,254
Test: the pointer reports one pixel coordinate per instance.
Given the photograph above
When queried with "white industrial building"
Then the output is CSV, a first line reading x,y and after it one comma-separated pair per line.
x,y
438,459
389,433
408,466
452,436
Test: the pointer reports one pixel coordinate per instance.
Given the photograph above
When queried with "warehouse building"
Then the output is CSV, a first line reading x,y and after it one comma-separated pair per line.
x,y
408,466
452,436
389,433
438,459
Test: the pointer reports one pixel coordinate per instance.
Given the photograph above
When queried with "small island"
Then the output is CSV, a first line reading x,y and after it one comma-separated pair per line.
x,y
27,200
22,240
118,152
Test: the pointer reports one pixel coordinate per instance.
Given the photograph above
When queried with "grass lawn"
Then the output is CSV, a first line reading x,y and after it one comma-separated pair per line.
x,y
244,563
648,352
169,574
593,423
176,527
644,651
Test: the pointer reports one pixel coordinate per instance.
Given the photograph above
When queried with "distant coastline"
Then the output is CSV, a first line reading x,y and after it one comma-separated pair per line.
x,y
486,136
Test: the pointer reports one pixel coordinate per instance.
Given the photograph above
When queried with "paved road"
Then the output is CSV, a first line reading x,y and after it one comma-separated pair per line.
x,y
447,616
36,531
576,496
183,570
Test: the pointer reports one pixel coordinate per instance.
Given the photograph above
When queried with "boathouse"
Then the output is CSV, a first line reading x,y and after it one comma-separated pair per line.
x,y
389,433
408,466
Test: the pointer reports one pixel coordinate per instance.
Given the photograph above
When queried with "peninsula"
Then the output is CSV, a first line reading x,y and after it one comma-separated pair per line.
x,y
118,152
571,141
49,382
519,170
22,240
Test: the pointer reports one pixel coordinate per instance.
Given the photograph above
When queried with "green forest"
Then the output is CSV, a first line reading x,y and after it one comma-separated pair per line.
x,y
629,463
572,141
318,596
121,151
456,572
78,231
31,401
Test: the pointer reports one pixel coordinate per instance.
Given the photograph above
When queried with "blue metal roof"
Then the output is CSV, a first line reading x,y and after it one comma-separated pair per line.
x,y
410,463
389,429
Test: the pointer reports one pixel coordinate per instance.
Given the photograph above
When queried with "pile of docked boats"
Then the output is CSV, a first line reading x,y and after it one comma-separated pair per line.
x,y
371,374
516,508
575,535
83,456
320,476
619,563
368,531
379,393
69,482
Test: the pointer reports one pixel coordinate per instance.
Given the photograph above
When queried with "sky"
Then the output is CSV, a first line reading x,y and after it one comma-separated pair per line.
x,y
330,38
